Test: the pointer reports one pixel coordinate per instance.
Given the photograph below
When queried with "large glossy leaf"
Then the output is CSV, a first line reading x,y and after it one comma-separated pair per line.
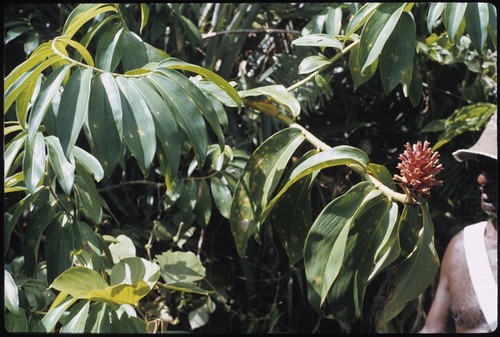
x,y
469,118
376,31
49,89
12,149
477,19
180,267
291,216
367,236
12,92
203,207
397,56
412,82
81,15
109,49
415,273
134,49
339,155
58,252
222,196
41,217
318,40
195,97
138,125
105,121
453,17
11,293
185,113
89,162
209,75
34,161
56,311
64,41
38,56
258,181
326,241
77,318
359,77
84,283
131,270
167,131
278,94
65,170
434,13
73,108
361,16
313,63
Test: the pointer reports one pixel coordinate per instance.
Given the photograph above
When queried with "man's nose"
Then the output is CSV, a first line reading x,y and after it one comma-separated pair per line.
x,y
482,179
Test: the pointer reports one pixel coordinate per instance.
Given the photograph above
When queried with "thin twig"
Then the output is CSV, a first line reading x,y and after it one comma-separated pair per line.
x,y
250,31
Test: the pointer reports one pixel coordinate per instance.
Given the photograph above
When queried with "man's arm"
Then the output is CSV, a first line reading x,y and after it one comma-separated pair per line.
x,y
439,319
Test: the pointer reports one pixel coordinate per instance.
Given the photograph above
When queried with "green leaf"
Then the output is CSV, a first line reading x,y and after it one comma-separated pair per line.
x,y
359,77
397,56
134,49
360,17
52,317
436,125
209,75
84,283
123,248
58,252
12,149
167,131
41,218
138,125
415,273
221,195
291,216
477,19
105,122
81,15
339,155
367,236
77,318
73,108
469,118
278,94
49,89
258,181
313,63
203,208
89,162
131,270
27,79
382,174
318,40
376,31
180,267
452,18
109,49
199,102
144,16
34,162
11,293
65,170
435,11
185,113
326,241
413,88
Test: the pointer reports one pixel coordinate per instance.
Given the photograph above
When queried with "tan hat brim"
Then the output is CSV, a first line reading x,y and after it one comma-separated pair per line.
x,y
485,146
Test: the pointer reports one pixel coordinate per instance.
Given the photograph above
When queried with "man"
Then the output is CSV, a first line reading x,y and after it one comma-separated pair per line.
x,y
466,295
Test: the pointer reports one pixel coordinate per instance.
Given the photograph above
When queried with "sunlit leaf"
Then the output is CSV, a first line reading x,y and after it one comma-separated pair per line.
x,y
318,40
312,63
477,19
180,267
73,108
360,17
415,273
376,31
453,17
275,93
258,181
34,161
326,241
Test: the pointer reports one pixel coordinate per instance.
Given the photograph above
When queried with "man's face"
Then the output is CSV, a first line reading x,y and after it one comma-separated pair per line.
x,y
487,180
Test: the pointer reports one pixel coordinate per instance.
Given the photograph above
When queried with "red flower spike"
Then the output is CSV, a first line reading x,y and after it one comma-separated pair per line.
x,y
418,169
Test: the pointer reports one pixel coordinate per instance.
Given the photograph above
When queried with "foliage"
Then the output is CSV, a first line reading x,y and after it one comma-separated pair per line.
x,y
137,131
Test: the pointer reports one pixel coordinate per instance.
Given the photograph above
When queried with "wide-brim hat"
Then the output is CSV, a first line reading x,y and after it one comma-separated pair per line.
x,y
485,146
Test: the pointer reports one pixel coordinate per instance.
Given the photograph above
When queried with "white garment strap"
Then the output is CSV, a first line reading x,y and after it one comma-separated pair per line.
x,y
480,271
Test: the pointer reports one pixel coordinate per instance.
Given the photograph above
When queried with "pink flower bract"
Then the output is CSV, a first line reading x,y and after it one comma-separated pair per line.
x,y
418,169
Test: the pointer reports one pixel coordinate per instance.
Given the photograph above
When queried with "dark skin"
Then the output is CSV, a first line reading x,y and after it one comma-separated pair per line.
x,y
455,307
